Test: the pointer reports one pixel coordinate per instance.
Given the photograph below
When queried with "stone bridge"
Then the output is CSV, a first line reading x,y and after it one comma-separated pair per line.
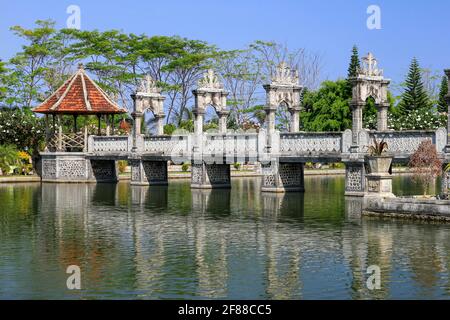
x,y
282,155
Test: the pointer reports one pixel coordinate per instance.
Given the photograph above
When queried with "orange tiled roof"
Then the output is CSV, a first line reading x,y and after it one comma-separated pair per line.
x,y
79,95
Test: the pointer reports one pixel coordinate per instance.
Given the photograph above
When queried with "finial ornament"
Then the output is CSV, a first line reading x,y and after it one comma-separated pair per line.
x,y
210,81
148,86
369,67
80,66
285,76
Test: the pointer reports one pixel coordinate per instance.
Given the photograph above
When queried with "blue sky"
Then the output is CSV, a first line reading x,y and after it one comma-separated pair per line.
x,y
330,28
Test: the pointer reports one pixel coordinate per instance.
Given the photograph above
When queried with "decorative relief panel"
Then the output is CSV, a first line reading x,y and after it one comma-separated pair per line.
x,y
197,173
354,179
403,141
167,145
310,142
135,170
268,175
72,169
110,144
49,169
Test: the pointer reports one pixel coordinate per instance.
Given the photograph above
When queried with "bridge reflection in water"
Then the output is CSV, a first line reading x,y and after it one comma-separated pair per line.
x,y
174,242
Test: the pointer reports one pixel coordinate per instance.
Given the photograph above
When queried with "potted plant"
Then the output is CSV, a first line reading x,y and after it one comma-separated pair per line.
x,y
378,161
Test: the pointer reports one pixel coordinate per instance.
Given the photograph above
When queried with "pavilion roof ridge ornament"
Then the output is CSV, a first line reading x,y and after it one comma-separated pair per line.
x,y
209,81
284,75
369,67
148,87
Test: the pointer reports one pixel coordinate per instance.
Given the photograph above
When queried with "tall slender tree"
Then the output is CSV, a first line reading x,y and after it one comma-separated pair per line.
x,y
354,63
415,96
442,104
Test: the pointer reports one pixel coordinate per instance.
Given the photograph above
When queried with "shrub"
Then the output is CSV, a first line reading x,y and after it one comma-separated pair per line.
x,y
9,157
237,165
185,167
425,165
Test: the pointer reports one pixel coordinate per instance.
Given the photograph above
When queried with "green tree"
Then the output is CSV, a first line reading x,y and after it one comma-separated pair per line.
x,y
442,103
415,96
354,63
327,109
8,157
30,66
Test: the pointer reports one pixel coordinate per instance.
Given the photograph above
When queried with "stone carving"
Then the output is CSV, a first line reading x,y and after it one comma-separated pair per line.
x,y
370,67
135,170
49,169
173,145
72,169
285,76
148,87
403,142
209,81
197,173
268,175
354,179
109,144
310,143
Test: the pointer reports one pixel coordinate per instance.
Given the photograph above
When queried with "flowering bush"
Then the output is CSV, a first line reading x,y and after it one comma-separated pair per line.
x,y
22,129
418,120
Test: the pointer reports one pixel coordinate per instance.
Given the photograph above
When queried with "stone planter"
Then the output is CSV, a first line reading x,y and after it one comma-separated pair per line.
x,y
379,164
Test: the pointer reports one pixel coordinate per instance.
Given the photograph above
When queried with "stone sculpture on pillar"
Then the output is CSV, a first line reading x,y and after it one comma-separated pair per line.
x,y
283,89
147,97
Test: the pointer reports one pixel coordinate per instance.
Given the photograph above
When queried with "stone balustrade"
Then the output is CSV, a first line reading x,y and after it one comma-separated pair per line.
x,y
311,143
109,144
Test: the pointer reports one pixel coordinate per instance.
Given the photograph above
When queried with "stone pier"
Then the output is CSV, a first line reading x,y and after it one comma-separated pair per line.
x,y
355,178
283,177
148,173
210,176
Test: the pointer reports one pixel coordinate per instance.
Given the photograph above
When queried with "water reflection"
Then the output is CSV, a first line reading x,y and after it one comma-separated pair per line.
x,y
171,242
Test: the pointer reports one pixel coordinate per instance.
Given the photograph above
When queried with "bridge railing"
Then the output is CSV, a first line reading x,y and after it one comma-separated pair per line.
x,y
168,145
243,144
403,143
311,143
109,144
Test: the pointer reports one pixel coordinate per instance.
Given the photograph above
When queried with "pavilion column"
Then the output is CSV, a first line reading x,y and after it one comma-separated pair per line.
x,y
75,128
295,120
357,122
108,125
47,132
382,116
99,132
112,124
159,124
223,121
86,121
60,133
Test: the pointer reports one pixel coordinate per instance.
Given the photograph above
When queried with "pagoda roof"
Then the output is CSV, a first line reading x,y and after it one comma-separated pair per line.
x,y
79,95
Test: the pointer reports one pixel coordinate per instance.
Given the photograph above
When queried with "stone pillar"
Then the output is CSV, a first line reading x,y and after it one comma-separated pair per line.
x,y
445,181
159,124
223,121
198,121
210,176
382,116
146,173
357,120
355,177
295,120
270,119
283,177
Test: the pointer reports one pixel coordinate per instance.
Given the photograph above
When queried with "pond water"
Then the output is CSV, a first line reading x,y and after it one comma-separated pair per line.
x,y
176,243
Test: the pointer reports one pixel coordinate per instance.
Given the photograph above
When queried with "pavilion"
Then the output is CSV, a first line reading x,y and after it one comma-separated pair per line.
x,y
78,96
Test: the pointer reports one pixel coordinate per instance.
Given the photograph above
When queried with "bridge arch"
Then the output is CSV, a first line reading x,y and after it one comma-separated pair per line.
x,y
210,92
